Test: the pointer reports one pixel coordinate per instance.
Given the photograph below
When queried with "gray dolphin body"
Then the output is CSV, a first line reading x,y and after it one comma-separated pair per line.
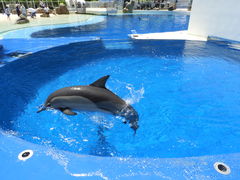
x,y
94,97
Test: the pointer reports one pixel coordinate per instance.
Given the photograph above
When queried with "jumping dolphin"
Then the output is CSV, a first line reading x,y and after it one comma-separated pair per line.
x,y
93,97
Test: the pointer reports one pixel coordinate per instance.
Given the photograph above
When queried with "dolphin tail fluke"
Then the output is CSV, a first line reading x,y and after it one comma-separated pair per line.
x,y
135,131
41,108
131,117
134,127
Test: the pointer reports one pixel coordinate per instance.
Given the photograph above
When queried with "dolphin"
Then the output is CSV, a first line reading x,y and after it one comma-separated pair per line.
x,y
93,97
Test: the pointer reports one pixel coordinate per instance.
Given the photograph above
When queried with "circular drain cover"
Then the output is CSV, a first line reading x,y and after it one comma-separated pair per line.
x,y
222,168
24,155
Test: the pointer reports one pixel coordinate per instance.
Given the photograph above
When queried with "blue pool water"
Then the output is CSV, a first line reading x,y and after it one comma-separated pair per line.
x,y
187,95
118,27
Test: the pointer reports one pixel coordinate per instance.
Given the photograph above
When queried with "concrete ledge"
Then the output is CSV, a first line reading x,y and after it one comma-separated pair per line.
x,y
176,35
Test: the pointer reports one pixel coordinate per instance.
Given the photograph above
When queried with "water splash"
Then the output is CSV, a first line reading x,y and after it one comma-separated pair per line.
x,y
100,119
135,95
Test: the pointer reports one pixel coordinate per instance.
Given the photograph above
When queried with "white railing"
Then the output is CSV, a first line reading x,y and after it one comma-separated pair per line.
x,y
98,4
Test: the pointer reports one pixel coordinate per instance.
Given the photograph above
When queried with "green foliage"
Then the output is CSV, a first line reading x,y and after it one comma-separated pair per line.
x,y
62,2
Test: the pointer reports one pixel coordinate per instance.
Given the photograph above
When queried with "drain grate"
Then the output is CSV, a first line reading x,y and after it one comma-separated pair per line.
x,y
222,168
24,155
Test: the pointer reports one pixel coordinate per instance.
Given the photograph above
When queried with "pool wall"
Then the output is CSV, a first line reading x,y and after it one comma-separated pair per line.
x,y
215,18
49,163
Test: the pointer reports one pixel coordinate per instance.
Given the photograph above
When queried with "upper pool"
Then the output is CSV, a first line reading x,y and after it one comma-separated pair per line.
x,y
118,27
187,93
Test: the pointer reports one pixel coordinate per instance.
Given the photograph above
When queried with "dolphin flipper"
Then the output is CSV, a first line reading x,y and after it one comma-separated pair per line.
x,y
67,111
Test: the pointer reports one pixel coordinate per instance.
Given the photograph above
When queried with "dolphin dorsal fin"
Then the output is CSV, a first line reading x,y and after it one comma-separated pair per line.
x,y
100,82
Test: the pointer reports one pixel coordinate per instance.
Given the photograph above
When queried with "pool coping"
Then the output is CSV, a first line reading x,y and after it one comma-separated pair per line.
x,y
175,35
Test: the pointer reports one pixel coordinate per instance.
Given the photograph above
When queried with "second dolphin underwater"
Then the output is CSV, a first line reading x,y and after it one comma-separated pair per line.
x,y
93,97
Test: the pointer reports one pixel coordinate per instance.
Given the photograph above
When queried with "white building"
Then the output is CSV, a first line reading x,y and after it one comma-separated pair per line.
x,y
217,18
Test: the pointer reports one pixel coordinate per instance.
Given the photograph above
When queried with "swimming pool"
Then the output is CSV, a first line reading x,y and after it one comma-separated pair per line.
x,y
118,27
186,94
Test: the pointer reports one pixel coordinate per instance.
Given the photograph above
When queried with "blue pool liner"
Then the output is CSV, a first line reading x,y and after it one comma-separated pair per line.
x,y
50,163
47,163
